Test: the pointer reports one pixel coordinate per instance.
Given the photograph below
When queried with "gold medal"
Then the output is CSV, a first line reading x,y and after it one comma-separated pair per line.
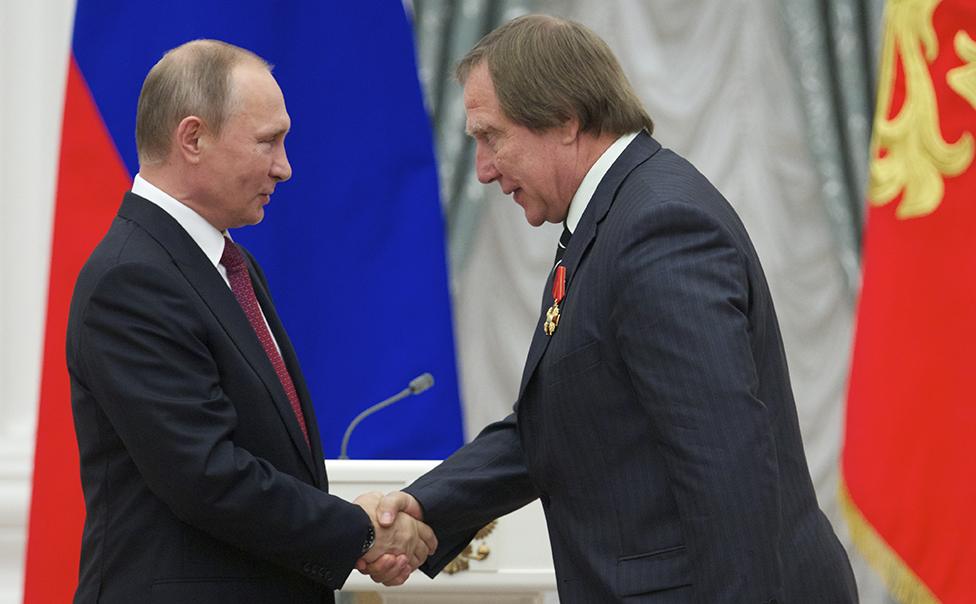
x,y
552,319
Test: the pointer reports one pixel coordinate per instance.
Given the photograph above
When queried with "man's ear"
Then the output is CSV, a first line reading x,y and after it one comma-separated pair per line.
x,y
190,138
569,131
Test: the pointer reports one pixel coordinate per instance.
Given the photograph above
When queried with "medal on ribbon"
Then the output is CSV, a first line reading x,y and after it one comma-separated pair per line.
x,y
558,293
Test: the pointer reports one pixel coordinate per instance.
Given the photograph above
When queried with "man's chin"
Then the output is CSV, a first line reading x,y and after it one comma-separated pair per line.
x,y
251,220
534,220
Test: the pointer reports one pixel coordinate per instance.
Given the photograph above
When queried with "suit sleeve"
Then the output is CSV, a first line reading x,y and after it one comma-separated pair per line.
x,y
480,482
144,353
681,321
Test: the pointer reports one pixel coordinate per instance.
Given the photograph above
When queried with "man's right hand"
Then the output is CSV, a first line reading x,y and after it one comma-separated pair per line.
x,y
402,541
395,502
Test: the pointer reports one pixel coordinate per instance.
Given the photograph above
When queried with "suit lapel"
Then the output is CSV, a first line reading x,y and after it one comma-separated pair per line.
x,y
578,245
639,150
205,279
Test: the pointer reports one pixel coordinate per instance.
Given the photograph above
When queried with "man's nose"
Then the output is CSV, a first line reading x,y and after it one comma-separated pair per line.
x,y
485,166
280,168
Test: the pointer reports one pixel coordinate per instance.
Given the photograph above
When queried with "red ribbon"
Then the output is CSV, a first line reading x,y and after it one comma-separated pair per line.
x,y
559,284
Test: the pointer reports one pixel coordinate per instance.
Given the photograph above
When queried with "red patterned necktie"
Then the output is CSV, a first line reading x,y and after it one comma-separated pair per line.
x,y
240,284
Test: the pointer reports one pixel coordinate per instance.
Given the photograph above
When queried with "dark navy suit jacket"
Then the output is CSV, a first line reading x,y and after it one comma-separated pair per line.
x,y
657,424
198,484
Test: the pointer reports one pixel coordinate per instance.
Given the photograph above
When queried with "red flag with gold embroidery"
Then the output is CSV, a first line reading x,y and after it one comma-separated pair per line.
x,y
909,456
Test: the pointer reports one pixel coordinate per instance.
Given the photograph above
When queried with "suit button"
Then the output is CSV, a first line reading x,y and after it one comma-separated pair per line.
x,y
307,567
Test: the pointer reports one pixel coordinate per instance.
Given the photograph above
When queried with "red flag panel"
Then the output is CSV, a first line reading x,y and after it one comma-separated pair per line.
x,y
91,181
908,459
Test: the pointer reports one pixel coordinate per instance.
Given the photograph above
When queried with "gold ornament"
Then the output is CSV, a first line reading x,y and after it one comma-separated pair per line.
x,y
962,79
463,561
552,319
917,158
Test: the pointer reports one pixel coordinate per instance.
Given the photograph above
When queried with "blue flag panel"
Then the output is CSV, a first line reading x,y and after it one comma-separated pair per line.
x,y
353,244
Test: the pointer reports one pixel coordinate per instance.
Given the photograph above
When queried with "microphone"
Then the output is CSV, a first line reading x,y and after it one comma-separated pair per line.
x,y
420,383
417,385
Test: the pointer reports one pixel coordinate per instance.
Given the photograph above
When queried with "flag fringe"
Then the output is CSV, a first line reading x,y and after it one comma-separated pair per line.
x,y
902,583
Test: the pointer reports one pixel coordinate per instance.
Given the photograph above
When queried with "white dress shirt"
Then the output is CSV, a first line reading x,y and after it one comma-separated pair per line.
x,y
206,236
592,179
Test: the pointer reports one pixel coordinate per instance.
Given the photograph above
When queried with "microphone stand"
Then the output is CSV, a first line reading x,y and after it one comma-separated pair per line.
x,y
417,385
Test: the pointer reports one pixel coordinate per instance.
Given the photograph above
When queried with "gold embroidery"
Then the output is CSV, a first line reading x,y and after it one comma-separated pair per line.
x,y
962,79
463,561
917,158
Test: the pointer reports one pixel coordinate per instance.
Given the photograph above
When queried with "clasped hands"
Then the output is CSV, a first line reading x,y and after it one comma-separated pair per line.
x,y
402,542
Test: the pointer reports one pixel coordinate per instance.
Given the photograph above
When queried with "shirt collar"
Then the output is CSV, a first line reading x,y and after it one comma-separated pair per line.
x,y
592,179
210,240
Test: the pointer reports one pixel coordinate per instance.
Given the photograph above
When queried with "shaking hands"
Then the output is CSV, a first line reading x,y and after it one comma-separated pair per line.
x,y
402,541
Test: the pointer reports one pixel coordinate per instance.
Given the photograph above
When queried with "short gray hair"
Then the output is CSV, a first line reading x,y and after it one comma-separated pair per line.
x,y
191,79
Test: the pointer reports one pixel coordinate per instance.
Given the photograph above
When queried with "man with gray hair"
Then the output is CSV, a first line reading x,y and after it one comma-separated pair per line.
x,y
201,463
655,418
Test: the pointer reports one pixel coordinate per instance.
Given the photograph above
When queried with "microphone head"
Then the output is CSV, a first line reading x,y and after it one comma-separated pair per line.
x,y
420,383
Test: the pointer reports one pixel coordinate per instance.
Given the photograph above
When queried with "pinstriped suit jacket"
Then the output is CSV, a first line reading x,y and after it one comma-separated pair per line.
x,y
657,425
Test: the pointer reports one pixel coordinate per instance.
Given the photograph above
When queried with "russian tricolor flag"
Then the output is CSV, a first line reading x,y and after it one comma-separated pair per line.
x,y
353,244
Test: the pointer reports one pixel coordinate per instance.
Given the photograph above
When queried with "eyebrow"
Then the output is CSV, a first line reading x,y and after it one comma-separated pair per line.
x,y
274,133
479,130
